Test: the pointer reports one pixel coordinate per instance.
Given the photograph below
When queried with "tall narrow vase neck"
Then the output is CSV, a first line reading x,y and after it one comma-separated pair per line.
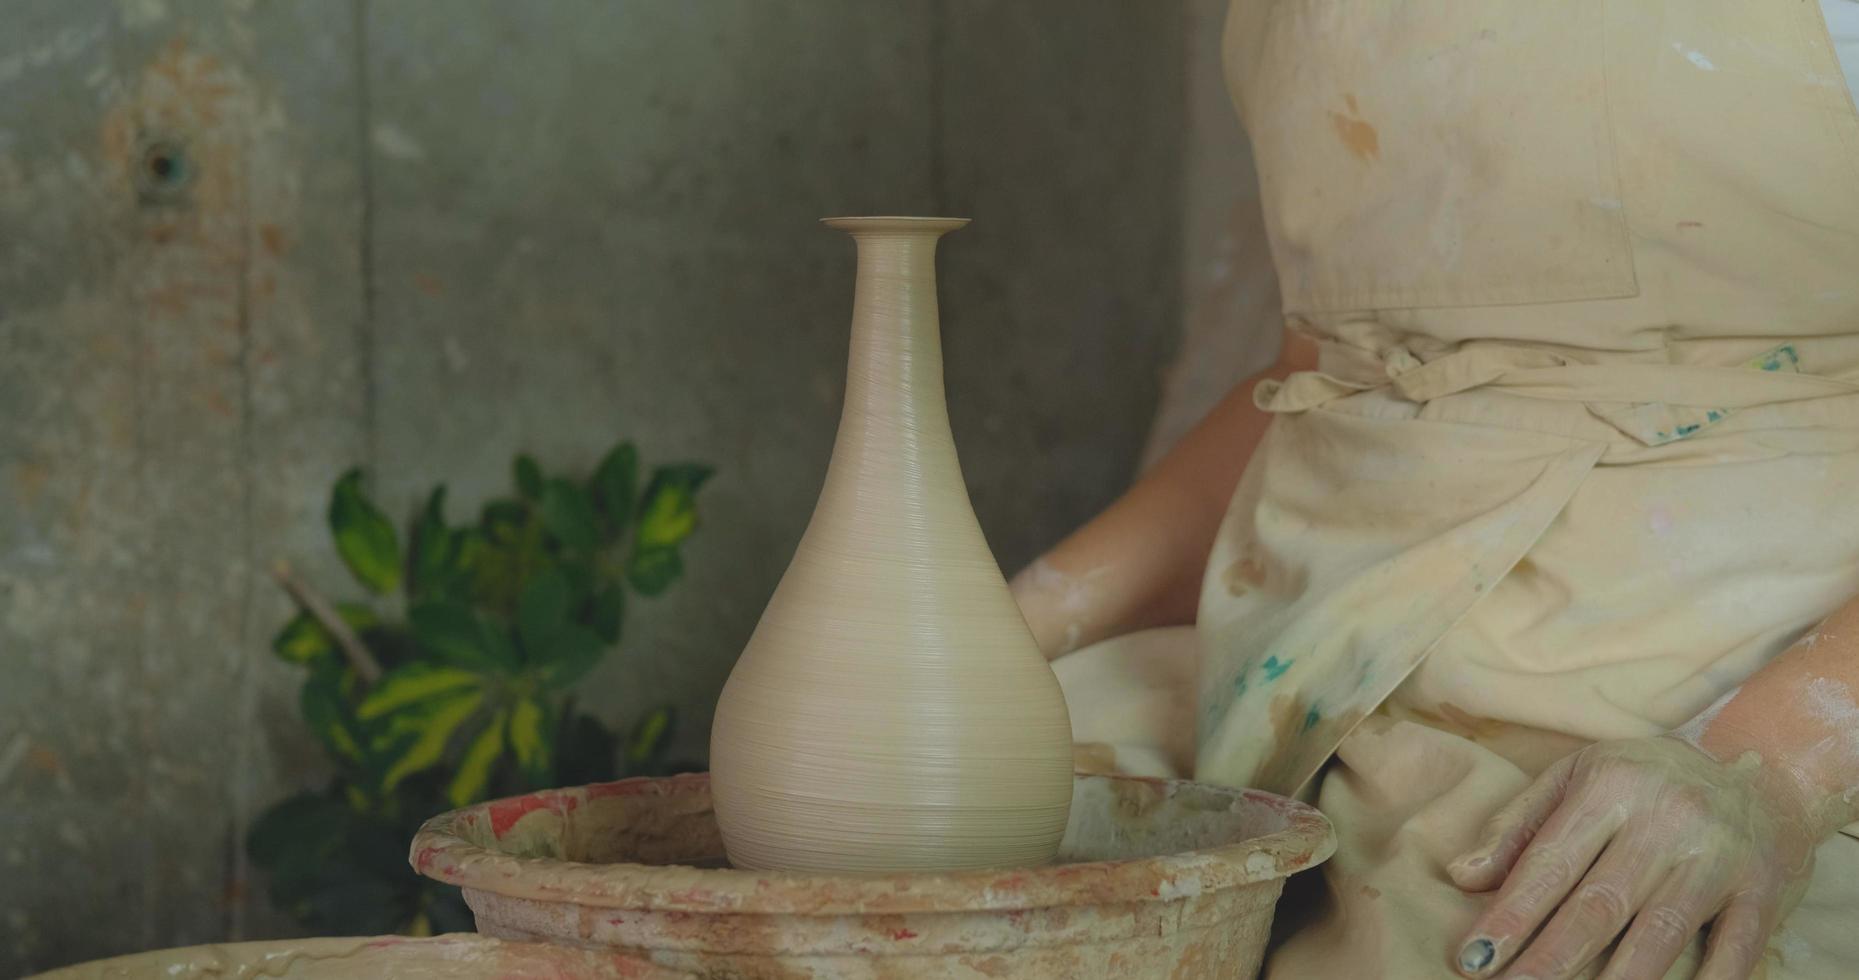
x,y
895,372
895,369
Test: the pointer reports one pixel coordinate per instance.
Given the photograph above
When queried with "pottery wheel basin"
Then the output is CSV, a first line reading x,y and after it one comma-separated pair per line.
x,y
374,958
1156,879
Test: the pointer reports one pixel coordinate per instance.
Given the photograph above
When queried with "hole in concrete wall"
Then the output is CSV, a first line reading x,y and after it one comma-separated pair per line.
x,y
163,171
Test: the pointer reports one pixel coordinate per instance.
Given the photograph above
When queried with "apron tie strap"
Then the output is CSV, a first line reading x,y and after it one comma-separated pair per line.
x,y
1653,403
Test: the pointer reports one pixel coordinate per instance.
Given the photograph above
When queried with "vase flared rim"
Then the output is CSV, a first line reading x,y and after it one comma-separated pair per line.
x,y
895,223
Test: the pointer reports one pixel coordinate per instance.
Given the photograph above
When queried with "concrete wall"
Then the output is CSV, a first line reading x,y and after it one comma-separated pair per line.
x,y
423,236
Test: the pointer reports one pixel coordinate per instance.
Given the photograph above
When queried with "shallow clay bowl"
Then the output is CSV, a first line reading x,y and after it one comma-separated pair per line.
x,y
1156,879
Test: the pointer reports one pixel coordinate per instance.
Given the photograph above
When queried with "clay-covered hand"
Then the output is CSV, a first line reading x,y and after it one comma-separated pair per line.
x,y
1650,837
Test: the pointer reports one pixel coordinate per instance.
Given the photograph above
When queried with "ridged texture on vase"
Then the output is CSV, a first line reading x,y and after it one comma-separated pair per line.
x,y
892,711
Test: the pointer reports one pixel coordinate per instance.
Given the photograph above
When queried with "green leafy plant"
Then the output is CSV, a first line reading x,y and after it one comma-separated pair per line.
x,y
453,680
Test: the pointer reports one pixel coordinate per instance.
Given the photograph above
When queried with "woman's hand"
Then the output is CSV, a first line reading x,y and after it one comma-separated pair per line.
x,y
1648,836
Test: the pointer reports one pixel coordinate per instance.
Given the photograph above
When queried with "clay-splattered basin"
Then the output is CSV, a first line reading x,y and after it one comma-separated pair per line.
x,y
367,959
1156,879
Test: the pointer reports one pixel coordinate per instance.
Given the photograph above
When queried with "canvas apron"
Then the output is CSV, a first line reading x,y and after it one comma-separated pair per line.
x,y
1582,451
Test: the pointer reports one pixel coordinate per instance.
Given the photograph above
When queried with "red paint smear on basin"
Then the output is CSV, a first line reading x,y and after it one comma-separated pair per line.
x,y
902,934
630,966
505,813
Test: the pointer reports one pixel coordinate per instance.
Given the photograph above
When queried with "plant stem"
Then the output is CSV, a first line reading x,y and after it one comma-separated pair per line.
x,y
366,667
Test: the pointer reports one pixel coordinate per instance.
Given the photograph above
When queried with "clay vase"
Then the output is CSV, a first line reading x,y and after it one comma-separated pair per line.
x,y
892,711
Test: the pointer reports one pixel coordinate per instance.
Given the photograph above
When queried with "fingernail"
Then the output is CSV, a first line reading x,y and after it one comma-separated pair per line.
x,y
1469,862
1470,866
1477,955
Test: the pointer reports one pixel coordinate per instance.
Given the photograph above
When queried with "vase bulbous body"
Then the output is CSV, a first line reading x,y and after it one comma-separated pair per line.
x,y
892,711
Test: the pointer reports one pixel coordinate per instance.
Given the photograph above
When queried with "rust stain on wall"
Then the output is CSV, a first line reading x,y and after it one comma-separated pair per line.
x,y
29,479
46,760
177,138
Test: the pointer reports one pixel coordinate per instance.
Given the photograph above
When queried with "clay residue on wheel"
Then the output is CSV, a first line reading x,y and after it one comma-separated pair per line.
x,y
400,957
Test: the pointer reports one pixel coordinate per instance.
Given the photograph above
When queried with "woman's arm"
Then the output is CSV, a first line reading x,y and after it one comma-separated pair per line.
x,y
1139,563
1799,713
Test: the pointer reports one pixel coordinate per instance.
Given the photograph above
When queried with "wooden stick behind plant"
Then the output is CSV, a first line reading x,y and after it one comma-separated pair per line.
x,y
301,592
